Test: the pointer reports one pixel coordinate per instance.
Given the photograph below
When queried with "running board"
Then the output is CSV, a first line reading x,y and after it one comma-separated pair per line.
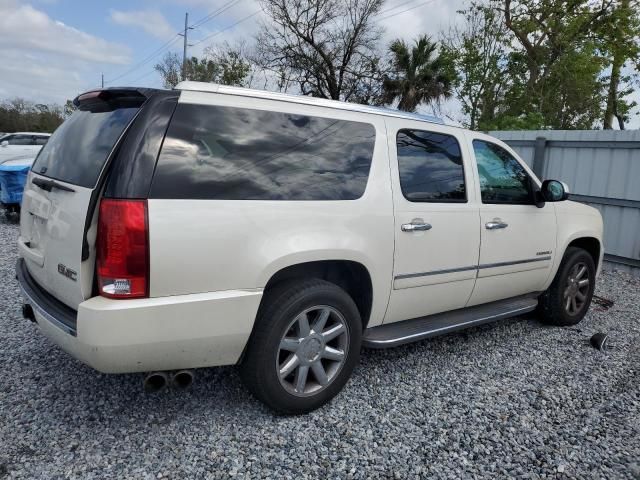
x,y
407,331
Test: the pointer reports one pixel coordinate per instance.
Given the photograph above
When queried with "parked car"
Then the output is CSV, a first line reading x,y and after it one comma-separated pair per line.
x,y
213,225
21,143
13,175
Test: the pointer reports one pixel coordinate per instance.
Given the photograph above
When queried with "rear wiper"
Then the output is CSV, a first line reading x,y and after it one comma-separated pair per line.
x,y
48,185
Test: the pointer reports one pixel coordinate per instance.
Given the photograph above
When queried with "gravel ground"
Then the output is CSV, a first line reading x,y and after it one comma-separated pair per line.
x,y
514,399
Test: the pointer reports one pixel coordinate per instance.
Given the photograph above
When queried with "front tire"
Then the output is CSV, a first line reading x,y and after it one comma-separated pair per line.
x,y
304,347
568,298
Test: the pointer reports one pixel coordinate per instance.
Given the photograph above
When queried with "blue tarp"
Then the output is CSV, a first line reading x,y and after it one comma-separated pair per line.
x,y
12,180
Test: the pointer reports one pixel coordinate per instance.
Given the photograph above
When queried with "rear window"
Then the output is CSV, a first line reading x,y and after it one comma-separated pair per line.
x,y
226,153
78,149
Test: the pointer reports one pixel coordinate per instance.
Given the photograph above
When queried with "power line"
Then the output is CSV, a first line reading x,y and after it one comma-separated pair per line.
x,y
170,42
406,10
147,59
142,76
227,28
211,15
207,37
393,8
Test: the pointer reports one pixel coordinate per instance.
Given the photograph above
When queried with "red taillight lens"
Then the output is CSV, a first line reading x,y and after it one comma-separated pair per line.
x,y
123,249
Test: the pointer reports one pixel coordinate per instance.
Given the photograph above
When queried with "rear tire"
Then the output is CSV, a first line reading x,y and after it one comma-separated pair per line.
x,y
304,346
568,298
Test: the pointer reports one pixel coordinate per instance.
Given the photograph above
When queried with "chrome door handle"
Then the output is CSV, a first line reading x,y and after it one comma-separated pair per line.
x,y
415,227
495,224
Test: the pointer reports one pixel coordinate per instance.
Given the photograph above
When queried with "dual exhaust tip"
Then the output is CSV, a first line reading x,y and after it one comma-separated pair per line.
x,y
158,381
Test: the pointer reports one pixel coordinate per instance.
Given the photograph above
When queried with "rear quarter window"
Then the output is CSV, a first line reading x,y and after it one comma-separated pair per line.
x,y
228,153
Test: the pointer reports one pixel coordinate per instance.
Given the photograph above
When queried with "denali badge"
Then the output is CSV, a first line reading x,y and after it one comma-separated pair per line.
x,y
67,272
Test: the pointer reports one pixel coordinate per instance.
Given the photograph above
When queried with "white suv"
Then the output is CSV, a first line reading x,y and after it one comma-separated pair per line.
x,y
210,225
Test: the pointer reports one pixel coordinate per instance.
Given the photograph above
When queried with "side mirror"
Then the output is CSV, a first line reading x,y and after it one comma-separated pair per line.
x,y
554,190
4,143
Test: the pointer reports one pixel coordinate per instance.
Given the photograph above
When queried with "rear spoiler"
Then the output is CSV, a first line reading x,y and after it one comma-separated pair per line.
x,y
109,99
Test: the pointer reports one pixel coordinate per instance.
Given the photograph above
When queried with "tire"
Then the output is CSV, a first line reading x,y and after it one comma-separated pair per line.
x,y
555,305
278,343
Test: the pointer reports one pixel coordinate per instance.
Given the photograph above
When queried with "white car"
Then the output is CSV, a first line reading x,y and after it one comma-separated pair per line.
x,y
213,225
21,143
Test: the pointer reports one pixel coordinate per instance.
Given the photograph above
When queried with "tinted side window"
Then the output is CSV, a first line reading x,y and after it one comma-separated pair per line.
x,y
431,168
21,140
502,178
227,153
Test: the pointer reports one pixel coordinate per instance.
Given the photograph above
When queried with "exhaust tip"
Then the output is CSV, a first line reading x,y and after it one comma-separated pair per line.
x,y
155,382
182,379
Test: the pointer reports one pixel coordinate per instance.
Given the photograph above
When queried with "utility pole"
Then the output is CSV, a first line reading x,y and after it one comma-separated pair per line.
x,y
184,49
102,75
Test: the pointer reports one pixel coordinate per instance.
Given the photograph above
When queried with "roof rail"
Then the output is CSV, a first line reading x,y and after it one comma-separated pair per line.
x,y
302,99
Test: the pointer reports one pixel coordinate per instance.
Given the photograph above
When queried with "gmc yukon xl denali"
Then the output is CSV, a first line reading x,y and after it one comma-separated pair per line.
x,y
208,225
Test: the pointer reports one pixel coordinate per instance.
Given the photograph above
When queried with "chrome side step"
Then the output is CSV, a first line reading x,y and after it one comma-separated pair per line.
x,y
407,331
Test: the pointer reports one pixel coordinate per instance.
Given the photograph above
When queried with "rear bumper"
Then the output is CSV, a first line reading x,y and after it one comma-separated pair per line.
x,y
166,333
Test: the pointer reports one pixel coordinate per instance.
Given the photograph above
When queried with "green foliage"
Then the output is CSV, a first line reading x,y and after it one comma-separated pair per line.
x,y
18,115
170,69
528,121
618,40
418,74
226,66
231,65
477,55
541,63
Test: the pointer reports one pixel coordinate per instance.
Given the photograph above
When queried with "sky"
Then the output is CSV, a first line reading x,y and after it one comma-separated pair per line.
x,y
54,49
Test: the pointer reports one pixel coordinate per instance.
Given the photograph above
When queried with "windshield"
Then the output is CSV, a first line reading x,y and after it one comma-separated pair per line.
x,y
78,149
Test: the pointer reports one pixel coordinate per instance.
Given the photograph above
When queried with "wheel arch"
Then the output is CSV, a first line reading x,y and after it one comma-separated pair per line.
x,y
590,244
350,275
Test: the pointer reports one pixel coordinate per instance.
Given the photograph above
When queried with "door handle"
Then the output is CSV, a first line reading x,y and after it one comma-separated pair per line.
x,y
415,226
495,224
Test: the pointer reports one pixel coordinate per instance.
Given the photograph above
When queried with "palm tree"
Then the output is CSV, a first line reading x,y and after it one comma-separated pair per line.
x,y
419,76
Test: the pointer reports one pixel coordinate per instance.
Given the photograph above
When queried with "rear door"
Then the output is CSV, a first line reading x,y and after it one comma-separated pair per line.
x,y
437,234
58,193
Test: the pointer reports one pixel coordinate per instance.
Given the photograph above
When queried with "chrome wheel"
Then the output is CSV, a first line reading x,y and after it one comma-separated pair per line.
x,y
312,350
576,289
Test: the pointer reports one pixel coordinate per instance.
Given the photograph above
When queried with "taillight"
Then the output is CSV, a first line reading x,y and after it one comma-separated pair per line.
x,y
123,249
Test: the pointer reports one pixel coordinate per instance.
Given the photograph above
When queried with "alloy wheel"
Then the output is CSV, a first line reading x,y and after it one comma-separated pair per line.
x,y
312,350
576,289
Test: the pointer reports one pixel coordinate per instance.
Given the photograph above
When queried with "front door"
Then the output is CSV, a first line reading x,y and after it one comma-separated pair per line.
x,y
517,237
437,232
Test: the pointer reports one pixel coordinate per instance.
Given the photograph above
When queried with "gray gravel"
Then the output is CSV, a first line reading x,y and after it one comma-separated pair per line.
x,y
514,399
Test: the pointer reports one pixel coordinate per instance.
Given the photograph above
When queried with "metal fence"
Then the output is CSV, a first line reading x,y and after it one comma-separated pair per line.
x,y
602,168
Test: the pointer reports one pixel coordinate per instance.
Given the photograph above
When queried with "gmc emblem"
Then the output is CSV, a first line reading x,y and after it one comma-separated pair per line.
x,y
67,272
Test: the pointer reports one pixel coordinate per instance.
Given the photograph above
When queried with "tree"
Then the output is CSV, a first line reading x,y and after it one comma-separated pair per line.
x,y
418,75
554,46
620,34
328,48
18,115
477,54
170,69
223,65
68,108
534,63
548,29
233,65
